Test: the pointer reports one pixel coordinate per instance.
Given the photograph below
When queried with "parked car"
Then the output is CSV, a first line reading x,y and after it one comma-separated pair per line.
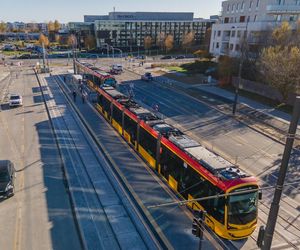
x,y
147,77
166,57
15,100
24,56
7,178
179,57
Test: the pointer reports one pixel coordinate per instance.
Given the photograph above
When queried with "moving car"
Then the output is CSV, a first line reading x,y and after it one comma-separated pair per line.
x,y
147,77
25,56
7,178
116,69
15,100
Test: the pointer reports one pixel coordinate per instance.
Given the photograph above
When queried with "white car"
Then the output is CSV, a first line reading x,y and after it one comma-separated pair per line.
x,y
147,77
15,100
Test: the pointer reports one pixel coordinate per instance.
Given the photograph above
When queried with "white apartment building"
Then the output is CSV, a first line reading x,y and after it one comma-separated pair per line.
x,y
247,19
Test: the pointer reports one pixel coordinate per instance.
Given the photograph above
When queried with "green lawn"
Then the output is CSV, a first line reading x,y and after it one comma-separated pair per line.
x,y
177,69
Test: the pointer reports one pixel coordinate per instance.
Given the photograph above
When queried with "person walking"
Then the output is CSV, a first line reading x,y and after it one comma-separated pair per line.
x,y
74,95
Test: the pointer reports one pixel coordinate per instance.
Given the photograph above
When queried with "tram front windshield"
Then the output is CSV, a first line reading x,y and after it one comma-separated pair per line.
x,y
242,208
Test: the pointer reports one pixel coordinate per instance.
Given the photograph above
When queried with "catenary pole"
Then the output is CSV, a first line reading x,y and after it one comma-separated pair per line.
x,y
272,218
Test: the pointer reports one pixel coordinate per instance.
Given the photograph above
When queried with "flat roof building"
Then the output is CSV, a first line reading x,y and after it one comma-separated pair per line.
x,y
127,30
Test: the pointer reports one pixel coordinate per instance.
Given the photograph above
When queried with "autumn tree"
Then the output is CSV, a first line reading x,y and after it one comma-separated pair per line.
x,y
280,62
3,27
43,40
90,42
57,26
147,42
169,42
72,41
51,27
187,40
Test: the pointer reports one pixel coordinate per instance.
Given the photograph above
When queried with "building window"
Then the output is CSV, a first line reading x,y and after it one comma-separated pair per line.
x,y
257,4
231,46
242,19
250,5
248,19
278,19
255,17
232,8
242,6
237,47
238,33
219,32
226,20
217,45
281,2
228,7
233,33
237,7
215,34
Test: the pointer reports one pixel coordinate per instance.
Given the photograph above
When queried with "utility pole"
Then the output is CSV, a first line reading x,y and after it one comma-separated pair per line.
x,y
272,218
245,37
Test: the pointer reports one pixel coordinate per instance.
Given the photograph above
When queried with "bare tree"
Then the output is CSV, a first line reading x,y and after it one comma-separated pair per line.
x,y
160,40
169,42
147,42
188,40
280,62
43,40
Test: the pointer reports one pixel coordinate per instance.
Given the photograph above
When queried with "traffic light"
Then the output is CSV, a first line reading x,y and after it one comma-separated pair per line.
x,y
196,227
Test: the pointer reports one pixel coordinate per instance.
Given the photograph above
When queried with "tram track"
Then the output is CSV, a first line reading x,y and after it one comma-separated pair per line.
x,y
136,214
287,202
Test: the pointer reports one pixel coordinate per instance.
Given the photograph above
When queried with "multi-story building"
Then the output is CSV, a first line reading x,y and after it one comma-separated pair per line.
x,y
128,29
249,20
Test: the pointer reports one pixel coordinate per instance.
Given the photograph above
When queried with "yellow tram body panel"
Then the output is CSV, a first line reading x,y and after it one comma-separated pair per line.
x,y
147,156
172,183
117,126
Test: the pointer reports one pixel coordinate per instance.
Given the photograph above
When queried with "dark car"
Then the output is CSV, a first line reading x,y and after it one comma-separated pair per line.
x,y
166,57
7,178
179,57
25,56
140,57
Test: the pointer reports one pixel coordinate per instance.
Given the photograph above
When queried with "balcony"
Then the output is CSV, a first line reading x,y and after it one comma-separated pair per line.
x,y
283,9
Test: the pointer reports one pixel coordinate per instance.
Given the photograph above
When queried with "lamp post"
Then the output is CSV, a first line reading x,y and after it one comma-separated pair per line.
x,y
245,37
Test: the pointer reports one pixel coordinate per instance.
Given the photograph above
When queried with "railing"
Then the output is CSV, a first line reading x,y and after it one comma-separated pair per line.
x,y
292,9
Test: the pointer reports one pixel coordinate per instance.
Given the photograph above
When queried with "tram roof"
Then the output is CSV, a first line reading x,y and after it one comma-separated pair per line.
x,y
209,160
114,93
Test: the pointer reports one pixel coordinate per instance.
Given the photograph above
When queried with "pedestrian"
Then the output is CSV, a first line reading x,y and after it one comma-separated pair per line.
x,y
74,95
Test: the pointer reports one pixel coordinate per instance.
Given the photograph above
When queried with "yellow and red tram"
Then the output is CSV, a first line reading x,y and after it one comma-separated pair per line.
x,y
189,168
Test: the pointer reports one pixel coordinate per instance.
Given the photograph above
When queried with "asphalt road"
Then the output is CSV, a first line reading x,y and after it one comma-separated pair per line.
x,y
39,215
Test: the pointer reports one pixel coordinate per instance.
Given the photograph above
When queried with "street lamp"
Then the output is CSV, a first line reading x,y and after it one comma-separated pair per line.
x,y
245,36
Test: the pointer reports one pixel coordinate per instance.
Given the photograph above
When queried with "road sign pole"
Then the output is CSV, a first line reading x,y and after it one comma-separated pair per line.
x,y
271,223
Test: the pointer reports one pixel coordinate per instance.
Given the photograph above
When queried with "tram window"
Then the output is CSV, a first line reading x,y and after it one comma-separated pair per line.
x,y
171,163
130,126
97,81
106,105
100,100
216,207
148,142
117,115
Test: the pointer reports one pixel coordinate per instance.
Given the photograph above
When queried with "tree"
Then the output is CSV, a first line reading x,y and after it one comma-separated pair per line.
x,y
43,40
57,26
160,40
187,40
280,62
280,67
3,27
72,41
90,42
147,42
169,42
51,27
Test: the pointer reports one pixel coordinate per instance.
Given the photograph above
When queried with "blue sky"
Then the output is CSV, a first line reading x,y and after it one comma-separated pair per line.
x,y
73,10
